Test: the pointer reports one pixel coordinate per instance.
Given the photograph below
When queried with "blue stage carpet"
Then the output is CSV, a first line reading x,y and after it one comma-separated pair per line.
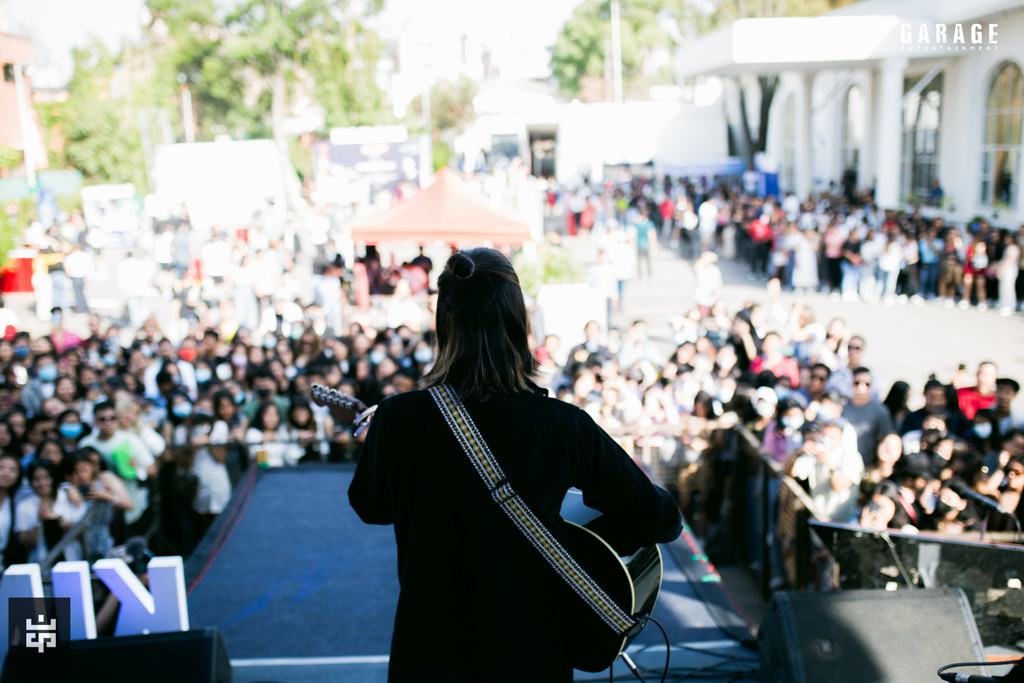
x,y
300,576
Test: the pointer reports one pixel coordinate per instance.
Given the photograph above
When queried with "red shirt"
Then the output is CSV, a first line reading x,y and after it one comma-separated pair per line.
x,y
667,209
786,367
760,232
971,401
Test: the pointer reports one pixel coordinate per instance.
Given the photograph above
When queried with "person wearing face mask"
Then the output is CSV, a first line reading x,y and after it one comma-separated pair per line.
x,y
764,404
782,435
204,374
832,473
946,518
167,356
590,350
423,355
265,389
638,346
42,384
71,429
985,432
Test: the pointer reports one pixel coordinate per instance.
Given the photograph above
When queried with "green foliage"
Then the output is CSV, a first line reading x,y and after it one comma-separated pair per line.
x,y
70,204
301,158
451,105
10,158
582,44
442,154
552,267
234,61
11,230
9,237
697,17
585,38
96,124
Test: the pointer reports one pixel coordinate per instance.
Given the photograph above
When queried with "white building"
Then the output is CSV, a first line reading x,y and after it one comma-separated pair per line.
x,y
570,140
899,91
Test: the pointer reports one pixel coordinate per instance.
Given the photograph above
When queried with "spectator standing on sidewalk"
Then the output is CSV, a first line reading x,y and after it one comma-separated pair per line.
x,y
707,285
1007,271
78,266
852,265
646,237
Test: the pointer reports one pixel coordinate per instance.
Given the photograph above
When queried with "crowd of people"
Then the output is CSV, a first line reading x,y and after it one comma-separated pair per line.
x,y
840,244
152,429
801,390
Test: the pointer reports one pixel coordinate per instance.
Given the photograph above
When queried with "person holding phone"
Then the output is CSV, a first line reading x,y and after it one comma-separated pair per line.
x,y
106,493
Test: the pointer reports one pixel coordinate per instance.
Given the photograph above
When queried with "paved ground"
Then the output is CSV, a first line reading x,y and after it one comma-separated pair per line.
x,y
905,342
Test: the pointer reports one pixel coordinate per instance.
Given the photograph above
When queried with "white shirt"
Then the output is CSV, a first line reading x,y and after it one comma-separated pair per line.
x,y
77,264
26,518
707,284
62,507
708,215
216,258
186,374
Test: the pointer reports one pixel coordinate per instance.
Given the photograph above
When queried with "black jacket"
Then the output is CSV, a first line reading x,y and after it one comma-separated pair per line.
x,y
477,601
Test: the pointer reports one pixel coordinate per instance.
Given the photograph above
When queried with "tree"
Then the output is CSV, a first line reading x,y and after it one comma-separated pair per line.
x,y
696,17
451,105
585,40
321,38
244,67
188,39
95,125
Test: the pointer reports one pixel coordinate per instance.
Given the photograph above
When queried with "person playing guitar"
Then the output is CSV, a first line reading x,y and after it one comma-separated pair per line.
x,y
478,600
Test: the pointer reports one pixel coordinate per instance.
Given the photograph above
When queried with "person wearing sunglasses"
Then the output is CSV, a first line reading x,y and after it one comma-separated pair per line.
x,y
868,416
841,379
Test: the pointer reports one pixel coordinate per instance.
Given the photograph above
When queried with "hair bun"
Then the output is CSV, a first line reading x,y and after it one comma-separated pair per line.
x,y
462,265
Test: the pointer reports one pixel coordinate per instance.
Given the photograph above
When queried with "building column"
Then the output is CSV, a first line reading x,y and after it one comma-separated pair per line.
x,y
804,168
867,156
890,126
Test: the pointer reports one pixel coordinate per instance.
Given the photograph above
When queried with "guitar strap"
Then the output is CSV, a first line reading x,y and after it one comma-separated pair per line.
x,y
526,521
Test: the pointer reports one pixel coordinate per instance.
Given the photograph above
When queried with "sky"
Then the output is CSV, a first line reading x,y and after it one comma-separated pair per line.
x,y
59,25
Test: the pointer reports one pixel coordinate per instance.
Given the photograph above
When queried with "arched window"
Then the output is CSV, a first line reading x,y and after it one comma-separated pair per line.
x,y
1000,161
853,131
789,146
922,116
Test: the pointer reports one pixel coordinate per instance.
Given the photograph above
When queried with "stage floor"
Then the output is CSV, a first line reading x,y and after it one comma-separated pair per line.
x,y
302,591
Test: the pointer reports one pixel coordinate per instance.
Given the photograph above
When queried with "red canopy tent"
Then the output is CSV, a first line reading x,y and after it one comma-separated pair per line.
x,y
447,212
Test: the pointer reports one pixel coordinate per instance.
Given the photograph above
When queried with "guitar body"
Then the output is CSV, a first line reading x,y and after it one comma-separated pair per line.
x,y
633,583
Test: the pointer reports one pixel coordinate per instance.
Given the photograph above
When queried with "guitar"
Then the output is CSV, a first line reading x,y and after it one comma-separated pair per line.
x,y
344,408
633,582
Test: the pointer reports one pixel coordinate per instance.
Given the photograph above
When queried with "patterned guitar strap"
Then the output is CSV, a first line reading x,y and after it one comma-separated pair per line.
x,y
526,521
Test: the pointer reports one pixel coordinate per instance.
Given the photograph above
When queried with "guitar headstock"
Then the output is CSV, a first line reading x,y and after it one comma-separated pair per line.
x,y
345,408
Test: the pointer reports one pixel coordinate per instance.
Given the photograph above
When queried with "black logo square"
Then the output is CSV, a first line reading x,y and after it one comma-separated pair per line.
x,y
39,634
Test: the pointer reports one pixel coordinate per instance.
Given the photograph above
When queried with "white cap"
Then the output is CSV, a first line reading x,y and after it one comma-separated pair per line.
x,y
766,394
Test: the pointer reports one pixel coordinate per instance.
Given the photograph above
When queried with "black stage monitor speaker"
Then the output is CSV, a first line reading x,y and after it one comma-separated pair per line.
x,y
867,635
180,657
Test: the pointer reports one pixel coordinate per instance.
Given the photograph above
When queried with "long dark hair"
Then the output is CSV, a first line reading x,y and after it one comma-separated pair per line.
x,y
483,329
896,400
